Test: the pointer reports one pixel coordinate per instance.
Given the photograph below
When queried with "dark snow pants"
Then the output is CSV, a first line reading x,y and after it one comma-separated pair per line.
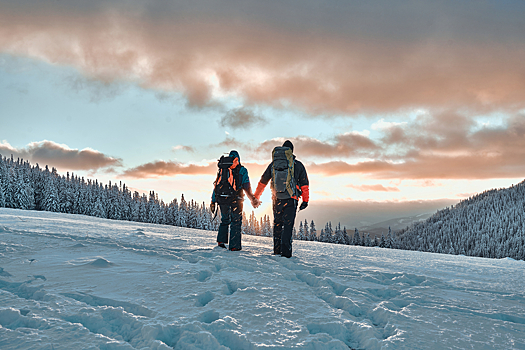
x,y
284,211
231,216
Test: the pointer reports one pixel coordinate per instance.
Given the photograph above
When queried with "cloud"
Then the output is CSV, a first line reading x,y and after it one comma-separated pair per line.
x,y
183,148
241,118
60,156
342,145
162,168
343,57
375,188
441,146
228,144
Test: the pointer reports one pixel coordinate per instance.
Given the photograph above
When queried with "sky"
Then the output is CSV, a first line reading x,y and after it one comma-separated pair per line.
x,y
394,107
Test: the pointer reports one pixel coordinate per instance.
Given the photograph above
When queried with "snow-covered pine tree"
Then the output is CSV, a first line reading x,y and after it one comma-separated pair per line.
x,y
368,240
300,235
183,212
338,235
306,231
347,239
322,236
382,243
50,198
313,232
3,181
357,237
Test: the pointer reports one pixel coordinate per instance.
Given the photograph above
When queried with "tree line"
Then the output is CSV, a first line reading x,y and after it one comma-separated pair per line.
x,y
491,224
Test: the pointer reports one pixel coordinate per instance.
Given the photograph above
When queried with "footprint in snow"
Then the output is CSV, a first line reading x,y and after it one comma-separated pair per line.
x,y
4,273
100,262
209,316
78,245
203,276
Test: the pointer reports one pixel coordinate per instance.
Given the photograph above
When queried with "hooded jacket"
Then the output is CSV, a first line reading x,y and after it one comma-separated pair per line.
x,y
300,175
243,174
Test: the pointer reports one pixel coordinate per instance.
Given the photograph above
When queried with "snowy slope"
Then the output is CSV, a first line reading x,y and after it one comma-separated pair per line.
x,y
102,284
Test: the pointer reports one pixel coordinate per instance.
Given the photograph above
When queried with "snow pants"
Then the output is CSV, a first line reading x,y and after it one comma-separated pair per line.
x,y
284,211
231,216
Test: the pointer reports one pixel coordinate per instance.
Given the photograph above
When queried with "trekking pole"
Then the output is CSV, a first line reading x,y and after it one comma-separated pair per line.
x,y
216,212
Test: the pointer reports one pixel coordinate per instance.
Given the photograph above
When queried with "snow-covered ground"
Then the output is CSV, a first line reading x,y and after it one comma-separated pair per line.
x,y
76,282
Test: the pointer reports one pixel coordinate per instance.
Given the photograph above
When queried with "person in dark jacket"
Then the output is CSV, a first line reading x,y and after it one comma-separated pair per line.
x,y
231,212
284,209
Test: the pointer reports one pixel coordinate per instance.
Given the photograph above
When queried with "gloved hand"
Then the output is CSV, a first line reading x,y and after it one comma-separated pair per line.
x,y
212,207
303,205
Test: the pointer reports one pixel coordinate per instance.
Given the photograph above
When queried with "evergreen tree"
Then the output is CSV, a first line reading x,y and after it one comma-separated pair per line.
x,y
50,200
183,212
347,239
357,237
382,243
322,236
368,240
3,181
313,232
339,236
306,231
300,235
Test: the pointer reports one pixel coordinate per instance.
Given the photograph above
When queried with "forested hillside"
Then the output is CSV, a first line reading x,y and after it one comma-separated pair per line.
x,y
28,187
490,224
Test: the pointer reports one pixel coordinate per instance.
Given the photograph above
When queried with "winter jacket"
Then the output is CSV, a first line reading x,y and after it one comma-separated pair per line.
x,y
243,175
301,179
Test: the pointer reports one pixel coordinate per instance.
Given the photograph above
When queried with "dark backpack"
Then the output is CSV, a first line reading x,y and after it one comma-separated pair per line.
x,y
283,180
227,184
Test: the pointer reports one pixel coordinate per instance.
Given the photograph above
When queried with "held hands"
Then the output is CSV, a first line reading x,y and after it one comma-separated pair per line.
x,y
212,207
303,205
255,202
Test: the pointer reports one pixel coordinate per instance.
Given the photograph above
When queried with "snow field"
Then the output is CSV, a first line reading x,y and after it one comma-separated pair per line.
x,y
76,282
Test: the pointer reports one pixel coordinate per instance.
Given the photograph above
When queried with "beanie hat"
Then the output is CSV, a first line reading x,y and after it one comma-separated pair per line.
x,y
288,144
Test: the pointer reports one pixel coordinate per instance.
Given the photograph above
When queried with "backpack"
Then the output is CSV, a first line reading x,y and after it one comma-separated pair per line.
x,y
283,180
227,184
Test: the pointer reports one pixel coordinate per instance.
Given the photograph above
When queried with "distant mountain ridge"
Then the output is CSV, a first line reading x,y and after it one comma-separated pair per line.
x,y
395,224
490,224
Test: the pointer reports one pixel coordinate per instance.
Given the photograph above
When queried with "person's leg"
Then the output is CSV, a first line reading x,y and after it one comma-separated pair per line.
x,y
288,212
222,235
236,225
277,226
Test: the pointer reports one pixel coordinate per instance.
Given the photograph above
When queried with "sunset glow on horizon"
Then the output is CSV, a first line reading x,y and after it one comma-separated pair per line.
x,y
385,102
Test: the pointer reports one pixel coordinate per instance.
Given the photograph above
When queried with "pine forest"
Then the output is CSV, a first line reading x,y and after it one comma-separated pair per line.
x,y
489,225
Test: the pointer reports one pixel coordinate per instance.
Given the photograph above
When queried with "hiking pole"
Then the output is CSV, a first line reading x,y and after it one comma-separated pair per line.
x,y
216,212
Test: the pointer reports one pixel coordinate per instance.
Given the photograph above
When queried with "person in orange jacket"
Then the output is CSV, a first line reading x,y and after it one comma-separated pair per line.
x,y
285,195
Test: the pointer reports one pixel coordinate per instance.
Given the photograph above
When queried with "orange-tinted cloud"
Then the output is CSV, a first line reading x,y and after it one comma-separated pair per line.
x,y
342,145
440,146
60,156
344,58
444,146
375,188
162,168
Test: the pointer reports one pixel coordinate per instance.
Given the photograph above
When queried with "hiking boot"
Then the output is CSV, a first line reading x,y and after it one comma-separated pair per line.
x,y
235,249
220,244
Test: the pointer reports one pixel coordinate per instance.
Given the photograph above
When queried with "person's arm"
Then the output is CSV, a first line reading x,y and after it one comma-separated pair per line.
x,y
265,178
245,183
303,184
